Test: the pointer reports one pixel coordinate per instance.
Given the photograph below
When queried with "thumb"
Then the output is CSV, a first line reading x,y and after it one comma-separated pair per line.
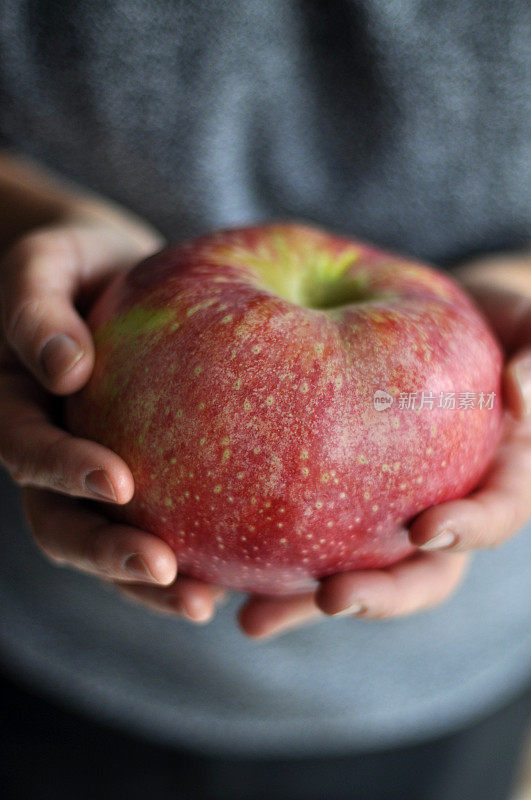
x,y
39,280
517,383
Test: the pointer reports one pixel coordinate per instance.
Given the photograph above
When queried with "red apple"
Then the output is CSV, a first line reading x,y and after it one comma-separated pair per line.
x,y
257,382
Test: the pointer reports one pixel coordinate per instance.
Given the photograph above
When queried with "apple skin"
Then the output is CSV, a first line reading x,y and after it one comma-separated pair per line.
x,y
235,375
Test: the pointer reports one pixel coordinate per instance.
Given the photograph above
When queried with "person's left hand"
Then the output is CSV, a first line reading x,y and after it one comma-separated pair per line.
x,y
445,534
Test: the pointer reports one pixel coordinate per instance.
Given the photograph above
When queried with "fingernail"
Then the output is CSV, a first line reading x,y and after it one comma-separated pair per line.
x,y
136,567
522,373
59,355
440,542
177,605
352,610
98,484
199,613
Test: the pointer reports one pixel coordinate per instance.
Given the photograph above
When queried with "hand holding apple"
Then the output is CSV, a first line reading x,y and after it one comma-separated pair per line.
x,y
495,511
46,349
64,529
237,374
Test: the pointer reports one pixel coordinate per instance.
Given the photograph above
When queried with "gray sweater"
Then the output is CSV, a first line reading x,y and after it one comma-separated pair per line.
x,y
405,123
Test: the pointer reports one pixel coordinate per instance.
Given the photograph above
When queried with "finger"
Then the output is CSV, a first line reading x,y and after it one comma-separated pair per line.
x,y
415,584
187,597
268,616
39,280
36,453
502,288
517,382
70,534
491,514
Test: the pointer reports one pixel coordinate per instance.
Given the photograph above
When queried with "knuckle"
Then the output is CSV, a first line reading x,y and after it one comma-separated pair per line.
x,y
50,465
24,264
24,249
17,466
53,462
28,471
506,521
20,475
25,315
44,241
94,552
47,547
516,514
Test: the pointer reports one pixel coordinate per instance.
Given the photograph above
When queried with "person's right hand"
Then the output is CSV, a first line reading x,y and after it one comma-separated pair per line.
x,y
45,350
